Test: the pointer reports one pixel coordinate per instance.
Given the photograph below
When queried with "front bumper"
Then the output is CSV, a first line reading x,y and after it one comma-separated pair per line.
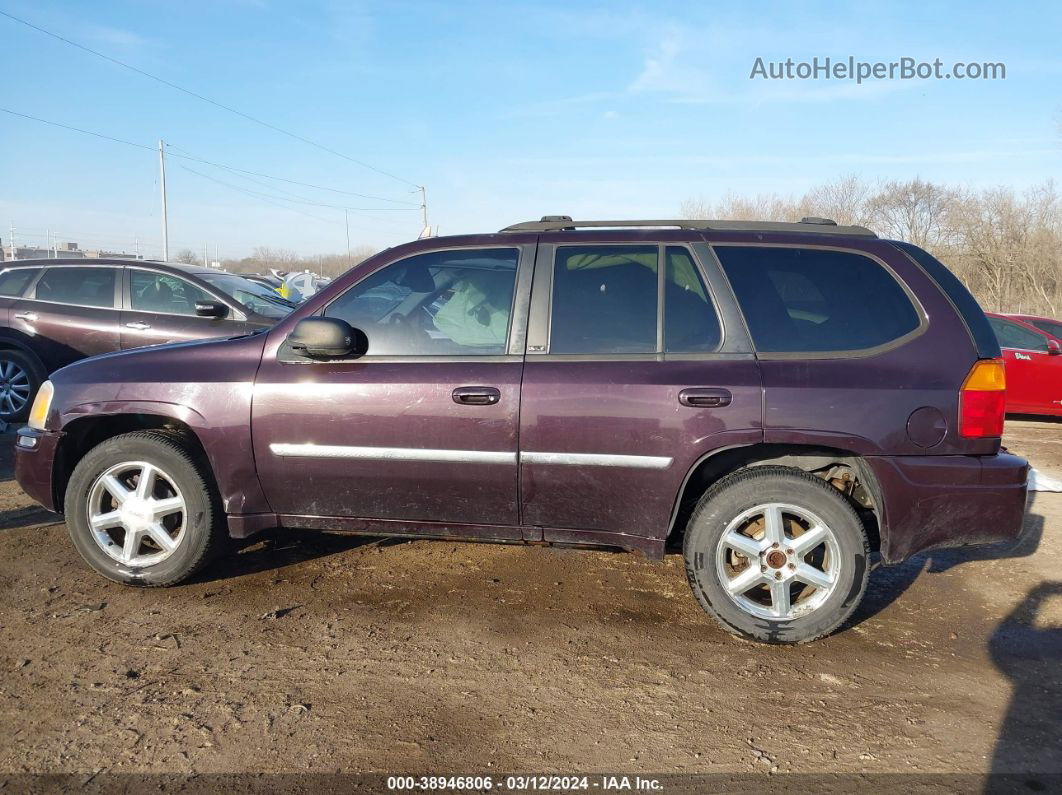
x,y
35,453
948,501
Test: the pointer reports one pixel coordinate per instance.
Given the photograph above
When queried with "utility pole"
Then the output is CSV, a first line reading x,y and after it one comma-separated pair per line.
x,y
424,204
162,187
136,247
217,259
346,222
12,241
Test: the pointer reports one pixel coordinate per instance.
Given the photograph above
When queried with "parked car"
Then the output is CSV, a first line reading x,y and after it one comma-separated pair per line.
x,y
1034,366
1052,328
777,400
56,311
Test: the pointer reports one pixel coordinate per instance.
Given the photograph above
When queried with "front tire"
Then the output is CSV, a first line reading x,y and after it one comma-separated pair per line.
x,y
141,511
776,555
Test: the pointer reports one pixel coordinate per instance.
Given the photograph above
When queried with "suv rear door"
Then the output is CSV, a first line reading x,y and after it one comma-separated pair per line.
x,y
160,307
72,312
637,365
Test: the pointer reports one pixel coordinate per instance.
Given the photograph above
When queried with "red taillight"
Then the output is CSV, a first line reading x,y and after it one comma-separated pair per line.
x,y
982,400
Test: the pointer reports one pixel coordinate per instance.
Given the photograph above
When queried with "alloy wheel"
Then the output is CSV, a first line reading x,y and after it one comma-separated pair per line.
x,y
136,513
14,387
778,561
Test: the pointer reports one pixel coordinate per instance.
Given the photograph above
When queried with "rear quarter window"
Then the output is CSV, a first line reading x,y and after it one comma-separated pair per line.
x,y
13,282
810,300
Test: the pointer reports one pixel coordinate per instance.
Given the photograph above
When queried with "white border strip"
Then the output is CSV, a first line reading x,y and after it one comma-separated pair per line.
x,y
597,460
391,454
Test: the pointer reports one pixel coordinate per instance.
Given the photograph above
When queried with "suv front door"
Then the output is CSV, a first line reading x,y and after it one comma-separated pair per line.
x,y
423,427
71,312
637,365
1034,375
160,307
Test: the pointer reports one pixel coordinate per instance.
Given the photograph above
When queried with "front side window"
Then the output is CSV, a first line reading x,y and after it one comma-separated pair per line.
x,y
14,281
604,299
1011,335
442,303
160,292
805,300
1052,327
77,286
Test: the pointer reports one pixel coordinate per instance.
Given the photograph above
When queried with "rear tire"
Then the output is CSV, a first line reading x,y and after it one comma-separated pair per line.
x,y
21,375
142,511
749,568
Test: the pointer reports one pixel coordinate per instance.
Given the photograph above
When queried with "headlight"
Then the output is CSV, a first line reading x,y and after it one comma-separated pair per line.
x,y
42,404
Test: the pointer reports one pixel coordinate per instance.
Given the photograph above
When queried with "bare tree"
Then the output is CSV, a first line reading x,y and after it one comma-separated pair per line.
x,y
187,256
1007,247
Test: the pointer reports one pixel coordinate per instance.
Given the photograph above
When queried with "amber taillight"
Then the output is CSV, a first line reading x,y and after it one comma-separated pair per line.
x,y
982,400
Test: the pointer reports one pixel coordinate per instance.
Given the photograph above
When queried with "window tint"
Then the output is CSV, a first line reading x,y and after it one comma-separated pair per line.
x,y
14,281
77,286
1052,327
160,292
441,303
1011,335
604,299
690,321
814,300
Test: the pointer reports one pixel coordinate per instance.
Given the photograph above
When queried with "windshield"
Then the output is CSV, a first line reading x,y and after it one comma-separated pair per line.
x,y
254,296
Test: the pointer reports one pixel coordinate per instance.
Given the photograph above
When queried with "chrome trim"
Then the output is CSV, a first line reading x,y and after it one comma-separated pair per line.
x,y
597,460
310,450
391,453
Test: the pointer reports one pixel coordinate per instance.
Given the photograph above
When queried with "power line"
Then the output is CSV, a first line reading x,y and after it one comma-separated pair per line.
x,y
205,162
260,197
208,100
301,200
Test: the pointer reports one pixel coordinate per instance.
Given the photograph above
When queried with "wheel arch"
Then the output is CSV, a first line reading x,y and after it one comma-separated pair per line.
x,y
84,433
861,487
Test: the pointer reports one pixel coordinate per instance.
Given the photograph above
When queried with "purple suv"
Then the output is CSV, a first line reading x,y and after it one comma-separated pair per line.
x,y
778,399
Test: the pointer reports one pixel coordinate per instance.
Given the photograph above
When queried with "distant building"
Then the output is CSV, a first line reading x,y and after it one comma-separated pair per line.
x,y
65,250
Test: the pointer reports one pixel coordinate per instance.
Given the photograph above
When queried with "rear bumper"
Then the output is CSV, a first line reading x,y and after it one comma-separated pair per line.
x,y
948,501
34,462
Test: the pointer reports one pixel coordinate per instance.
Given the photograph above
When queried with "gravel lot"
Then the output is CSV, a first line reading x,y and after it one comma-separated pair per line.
x,y
328,653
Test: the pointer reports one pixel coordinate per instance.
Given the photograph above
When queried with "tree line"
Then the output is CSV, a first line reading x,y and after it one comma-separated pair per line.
x,y
264,258
1006,245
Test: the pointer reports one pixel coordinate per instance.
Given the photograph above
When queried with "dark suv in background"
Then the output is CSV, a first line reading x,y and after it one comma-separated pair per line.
x,y
53,312
778,400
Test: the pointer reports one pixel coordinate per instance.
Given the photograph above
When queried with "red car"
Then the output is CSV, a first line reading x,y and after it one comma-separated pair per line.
x,y
1031,348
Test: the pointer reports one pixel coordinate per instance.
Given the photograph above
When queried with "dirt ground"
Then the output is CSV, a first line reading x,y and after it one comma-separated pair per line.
x,y
328,653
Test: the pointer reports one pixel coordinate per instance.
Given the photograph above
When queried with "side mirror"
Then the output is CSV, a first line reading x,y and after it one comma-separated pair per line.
x,y
1053,347
325,337
211,309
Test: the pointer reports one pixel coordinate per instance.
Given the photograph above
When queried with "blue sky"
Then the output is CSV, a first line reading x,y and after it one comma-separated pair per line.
x,y
506,111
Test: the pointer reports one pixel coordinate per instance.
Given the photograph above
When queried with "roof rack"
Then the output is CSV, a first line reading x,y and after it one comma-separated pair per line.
x,y
820,226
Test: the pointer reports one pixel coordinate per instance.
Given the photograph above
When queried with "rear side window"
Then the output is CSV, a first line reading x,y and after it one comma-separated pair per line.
x,y
77,286
805,300
691,324
961,299
604,299
1011,335
13,282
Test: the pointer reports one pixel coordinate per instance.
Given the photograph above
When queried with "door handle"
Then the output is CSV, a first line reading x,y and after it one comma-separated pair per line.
x,y
476,395
30,316
705,397
138,326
